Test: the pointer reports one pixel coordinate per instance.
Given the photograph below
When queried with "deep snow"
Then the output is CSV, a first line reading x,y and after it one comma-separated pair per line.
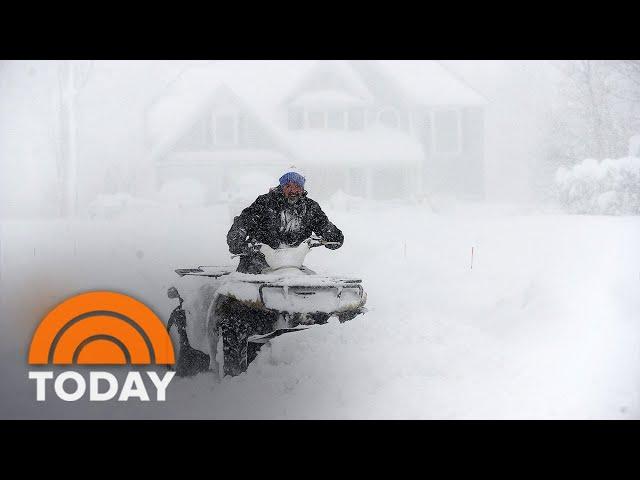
x,y
545,325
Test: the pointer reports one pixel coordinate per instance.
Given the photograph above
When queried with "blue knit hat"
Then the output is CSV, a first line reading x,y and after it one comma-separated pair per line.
x,y
294,177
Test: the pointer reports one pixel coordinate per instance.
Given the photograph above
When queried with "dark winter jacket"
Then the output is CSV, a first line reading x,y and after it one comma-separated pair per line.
x,y
270,219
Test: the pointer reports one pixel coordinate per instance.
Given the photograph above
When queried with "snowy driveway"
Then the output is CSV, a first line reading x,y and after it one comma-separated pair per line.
x,y
545,325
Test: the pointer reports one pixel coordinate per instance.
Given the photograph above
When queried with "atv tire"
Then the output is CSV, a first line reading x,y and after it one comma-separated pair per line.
x,y
234,347
237,323
320,318
346,316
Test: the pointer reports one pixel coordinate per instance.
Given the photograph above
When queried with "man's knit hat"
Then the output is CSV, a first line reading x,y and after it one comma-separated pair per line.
x,y
293,177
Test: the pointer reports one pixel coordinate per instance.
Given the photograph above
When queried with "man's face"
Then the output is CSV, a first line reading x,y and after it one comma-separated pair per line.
x,y
292,192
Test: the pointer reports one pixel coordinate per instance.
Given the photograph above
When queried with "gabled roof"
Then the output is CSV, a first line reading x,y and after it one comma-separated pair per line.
x,y
430,83
260,84
343,70
263,86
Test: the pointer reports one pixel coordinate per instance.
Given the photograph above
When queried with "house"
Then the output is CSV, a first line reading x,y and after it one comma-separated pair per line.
x,y
375,129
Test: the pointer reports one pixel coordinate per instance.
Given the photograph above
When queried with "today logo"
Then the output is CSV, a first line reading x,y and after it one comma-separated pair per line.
x,y
101,328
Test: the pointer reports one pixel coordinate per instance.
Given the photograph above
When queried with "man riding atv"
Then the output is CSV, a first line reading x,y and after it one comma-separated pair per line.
x,y
283,217
272,292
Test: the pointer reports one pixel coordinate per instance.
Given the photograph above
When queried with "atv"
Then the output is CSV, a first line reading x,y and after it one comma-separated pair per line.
x,y
248,310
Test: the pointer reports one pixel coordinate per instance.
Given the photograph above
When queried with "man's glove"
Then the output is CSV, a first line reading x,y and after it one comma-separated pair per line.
x,y
251,248
245,248
333,246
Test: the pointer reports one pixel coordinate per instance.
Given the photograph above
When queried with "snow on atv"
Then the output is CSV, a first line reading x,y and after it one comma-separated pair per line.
x,y
247,310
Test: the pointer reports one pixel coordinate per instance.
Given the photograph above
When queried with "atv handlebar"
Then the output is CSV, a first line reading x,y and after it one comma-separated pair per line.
x,y
312,242
250,249
318,242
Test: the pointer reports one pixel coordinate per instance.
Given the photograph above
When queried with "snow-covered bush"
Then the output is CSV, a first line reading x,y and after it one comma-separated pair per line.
x,y
609,187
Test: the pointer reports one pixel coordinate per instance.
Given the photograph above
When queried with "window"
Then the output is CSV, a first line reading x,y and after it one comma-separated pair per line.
x,y
335,119
357,182
389,118
225,129
296,118
355,119
315,119
446,131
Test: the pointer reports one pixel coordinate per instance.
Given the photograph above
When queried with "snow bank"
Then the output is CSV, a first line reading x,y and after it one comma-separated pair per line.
x,y
609,187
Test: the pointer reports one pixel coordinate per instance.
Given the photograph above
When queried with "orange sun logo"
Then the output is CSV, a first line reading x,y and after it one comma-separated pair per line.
x,y
101,328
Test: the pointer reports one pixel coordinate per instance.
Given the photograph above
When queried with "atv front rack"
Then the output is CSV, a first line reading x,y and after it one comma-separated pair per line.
x,y
305,298
300,289
205,271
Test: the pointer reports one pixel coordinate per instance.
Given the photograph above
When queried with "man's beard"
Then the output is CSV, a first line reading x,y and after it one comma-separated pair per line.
x,y
293,199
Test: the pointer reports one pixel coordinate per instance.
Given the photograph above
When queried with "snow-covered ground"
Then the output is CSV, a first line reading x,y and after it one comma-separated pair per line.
x,y
545,325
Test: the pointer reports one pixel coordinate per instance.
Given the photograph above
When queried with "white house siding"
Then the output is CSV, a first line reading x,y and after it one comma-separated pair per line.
x,y
224,171
322,183
460,173
209,176
200,135
368,182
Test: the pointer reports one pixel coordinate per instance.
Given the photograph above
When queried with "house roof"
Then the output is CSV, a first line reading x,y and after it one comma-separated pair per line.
x,y
430,83
350,79
262,86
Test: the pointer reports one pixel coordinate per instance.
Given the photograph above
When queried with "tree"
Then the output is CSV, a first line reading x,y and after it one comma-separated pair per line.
x,y
597,111
629,73
72,78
